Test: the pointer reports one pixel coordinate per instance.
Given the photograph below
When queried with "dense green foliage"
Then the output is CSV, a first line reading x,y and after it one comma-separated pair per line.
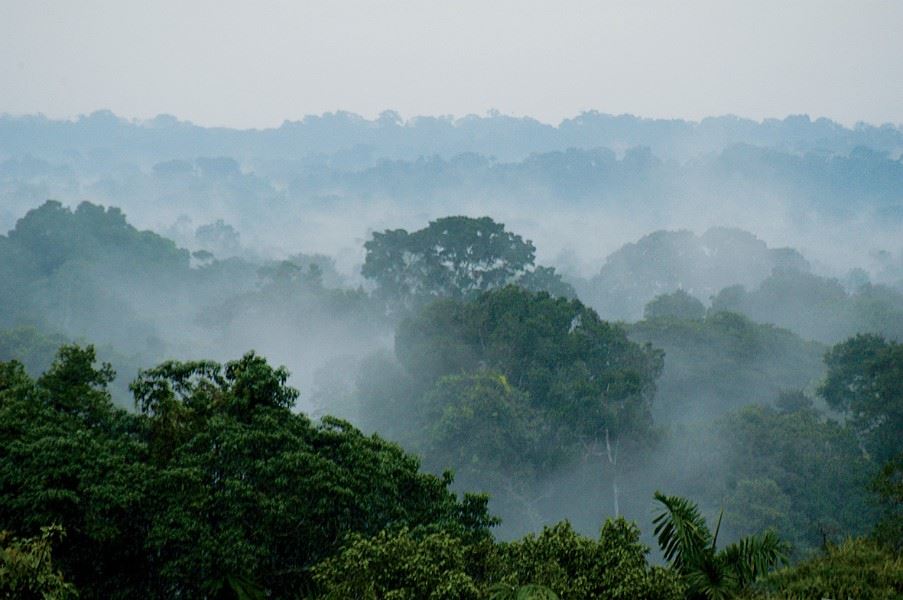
x,y
796,472
87,272
557,560
508,387
855,568
889,487
572,366
453,257
865,382
580,567
87,275
214,482
27,571
401,565
214,487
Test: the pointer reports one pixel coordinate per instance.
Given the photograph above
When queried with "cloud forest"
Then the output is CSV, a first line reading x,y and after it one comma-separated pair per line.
x,y
451,358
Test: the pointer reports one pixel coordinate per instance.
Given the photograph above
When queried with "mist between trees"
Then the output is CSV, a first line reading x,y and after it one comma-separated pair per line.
x,y
640,337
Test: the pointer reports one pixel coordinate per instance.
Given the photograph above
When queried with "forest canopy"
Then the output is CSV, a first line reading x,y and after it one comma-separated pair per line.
x,y
499,433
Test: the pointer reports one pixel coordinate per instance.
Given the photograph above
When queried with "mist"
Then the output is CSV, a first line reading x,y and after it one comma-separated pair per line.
x,y
568,318
452,301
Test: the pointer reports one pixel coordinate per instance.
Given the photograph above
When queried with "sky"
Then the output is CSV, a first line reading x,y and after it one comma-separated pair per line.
x,y
256,64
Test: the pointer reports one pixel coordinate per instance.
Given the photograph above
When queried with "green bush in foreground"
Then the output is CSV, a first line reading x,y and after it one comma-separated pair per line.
x,y
27,569
214,488
857,568
558,562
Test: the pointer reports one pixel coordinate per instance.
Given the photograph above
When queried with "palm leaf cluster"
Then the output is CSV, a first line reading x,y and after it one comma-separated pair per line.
x,y
691,548
525,592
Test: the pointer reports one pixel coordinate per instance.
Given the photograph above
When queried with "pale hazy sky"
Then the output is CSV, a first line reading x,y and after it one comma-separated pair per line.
x,y
258,63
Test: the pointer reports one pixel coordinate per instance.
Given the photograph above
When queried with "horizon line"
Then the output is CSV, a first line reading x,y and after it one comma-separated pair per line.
x,y
394,117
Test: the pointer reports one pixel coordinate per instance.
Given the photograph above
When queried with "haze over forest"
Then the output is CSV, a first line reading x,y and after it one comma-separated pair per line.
x,y
452,357
733,254
814,185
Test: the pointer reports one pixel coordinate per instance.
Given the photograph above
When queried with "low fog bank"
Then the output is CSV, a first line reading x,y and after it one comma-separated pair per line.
x,y
842,211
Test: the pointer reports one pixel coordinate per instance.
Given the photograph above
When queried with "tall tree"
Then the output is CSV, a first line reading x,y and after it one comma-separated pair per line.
x,y
545,380
865,382
453,257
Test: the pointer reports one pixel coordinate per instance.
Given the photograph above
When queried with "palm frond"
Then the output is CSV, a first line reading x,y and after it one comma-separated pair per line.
x,y
708,578
502,591
717,530
681,530
755,555
536,592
